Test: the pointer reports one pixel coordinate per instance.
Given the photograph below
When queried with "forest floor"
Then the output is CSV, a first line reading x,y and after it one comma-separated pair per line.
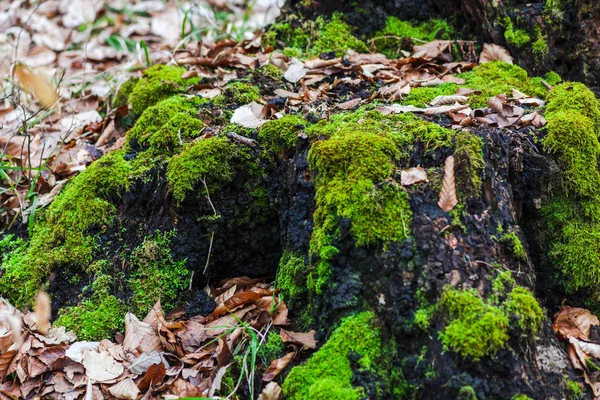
x,y
75,81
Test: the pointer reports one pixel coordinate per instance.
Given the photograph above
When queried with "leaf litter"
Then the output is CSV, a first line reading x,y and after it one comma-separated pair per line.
x,y
158,357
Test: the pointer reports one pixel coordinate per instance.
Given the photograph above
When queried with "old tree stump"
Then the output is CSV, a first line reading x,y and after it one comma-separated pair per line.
x,y
338,201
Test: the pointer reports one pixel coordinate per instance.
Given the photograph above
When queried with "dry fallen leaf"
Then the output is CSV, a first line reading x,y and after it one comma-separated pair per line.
x,y
37,84
271,392
448,194
445,100
249,116
42,312
126,389
306,339
493,52
277,366
100,366
295,71
413,175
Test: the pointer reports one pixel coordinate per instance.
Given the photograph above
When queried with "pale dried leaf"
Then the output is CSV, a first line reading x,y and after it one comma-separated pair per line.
x,y
42,312
295,71
413,175
76,350
445,109
37,84
249,116
493,52
126,389
271,392
451,99
397,109
100,366
448,198
306,339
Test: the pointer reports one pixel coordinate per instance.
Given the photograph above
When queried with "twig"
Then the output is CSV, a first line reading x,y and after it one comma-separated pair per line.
x,y
241,139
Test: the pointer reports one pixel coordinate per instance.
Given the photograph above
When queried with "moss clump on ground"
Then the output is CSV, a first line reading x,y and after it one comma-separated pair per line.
x,y
122,96
158,83
477,327
99,316
496,78
239,93
207,160
269,70
516,37
281,133
60,235
574,390
315,37
328,373
574,215
271,349
422,96
165,126
468,153
516,245
155,275
398,34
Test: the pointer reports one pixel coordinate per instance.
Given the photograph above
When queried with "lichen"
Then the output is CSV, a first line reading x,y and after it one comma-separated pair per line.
x,y
60,235
207,160
468,154
328,373
155,275
158,83
516,37
238,93
281,133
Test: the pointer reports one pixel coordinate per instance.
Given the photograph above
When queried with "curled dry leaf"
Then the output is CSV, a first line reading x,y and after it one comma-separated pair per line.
x,y
574,322
433,50
445,100
249,116
413,175
448,198
271,392
100,366
445,109
126,389
306,339
295,71
277,366
37,84
349,104
397,109
493,52
42,312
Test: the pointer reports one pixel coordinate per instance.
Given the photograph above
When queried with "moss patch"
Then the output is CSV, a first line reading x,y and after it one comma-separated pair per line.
x,y
207,159
158,83
60,235
477,328
312,38
291,279
271,349
281,133
422,96
238,93
468,153
156,275
516,37
328,373
398,34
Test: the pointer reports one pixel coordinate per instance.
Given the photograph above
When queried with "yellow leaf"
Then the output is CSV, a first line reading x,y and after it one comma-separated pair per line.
x,y
37,84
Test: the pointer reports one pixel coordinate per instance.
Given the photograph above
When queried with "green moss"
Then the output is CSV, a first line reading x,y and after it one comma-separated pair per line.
x,y
315,37
238,93
60,235
425,311
516,37
516,246
393,37
552,78
165,126
468,154
574,390
520,397
159,82
270,71
467,393
156,275
422,96
576,98
496,78
328,373
281,133
207,159
272,349
122,95
97,317
540,46
476,328
291,275
524,306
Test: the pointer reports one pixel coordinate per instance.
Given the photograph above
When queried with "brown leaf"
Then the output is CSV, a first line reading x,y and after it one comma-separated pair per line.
x,y
448,198
574,322
154,375
126,389
42,312
139,336
277,366
100,366
37,84
493,52
236,301
452,99
271,392
349,104
445,109
306,339
413,175
432,50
